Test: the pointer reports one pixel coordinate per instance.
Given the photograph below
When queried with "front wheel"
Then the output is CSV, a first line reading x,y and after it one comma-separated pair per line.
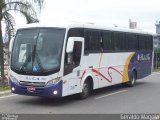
x,y
85,90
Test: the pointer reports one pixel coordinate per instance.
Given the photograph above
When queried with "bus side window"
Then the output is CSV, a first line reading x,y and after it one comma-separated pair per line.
x,y
77,53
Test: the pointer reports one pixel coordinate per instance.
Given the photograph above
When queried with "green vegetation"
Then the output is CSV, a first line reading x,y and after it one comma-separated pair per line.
x,y
157,59
156,70
157,50
157,66
4,88
27,8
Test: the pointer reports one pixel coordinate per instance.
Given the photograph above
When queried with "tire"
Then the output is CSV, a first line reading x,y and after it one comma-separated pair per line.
x,y
132,80
85,90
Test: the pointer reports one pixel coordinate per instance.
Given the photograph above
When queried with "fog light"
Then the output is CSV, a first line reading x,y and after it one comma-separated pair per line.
x,y
13,89
55,92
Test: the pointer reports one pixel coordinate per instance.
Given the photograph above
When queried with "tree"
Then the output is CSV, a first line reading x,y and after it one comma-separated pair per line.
x,y
27,8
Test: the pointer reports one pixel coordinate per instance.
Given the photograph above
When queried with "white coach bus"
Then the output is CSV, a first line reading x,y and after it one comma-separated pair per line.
x,y
61,60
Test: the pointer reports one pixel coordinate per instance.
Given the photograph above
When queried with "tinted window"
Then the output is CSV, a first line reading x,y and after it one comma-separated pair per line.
x,y
120,41
76,32
142,42
149,43
124,42
114,41
108,41
117,41
92,41
132,41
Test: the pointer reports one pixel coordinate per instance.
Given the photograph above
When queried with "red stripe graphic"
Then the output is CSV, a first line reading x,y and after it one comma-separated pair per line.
x,y
107,79
95,71
83,74
114,70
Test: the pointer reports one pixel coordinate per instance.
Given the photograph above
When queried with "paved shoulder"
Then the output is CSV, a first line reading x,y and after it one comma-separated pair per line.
x,y
5,92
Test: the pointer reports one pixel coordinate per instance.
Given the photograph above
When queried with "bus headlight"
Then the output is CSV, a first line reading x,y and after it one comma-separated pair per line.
x,y
13,79
54,81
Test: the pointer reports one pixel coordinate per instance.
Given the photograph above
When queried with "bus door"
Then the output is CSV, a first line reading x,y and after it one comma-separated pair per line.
x,y
72,68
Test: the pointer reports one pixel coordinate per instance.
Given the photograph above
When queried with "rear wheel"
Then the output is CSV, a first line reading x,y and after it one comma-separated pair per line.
x,y
85,90
132,80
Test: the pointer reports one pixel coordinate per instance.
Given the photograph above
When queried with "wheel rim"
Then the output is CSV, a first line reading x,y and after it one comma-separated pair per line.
x,y
85,90
133,80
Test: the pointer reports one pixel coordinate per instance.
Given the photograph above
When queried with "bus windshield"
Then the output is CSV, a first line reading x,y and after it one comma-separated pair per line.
x,y
37,50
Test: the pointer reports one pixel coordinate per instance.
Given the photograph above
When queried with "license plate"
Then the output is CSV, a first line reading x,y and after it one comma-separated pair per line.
x,y
31,89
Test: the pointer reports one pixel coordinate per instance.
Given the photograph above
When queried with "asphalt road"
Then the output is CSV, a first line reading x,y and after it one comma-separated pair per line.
x,y
143,98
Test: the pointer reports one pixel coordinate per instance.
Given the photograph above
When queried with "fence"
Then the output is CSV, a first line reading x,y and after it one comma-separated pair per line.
x,y
156,61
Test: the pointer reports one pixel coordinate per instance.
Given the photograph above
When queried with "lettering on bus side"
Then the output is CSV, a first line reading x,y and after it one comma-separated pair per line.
x,y
143,57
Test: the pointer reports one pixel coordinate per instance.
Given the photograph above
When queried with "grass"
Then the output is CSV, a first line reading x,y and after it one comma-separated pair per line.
x,y
4,88
156,70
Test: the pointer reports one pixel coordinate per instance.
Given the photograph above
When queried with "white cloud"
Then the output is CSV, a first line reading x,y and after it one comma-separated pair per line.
x,y
108,12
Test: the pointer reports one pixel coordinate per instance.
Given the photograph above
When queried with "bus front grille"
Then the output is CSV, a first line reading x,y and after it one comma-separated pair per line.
x,y
38,84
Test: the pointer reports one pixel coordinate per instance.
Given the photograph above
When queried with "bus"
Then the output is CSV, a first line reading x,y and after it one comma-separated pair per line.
x,y
65,59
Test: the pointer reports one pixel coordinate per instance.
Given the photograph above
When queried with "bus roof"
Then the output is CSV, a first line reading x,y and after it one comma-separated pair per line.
x,y
82,25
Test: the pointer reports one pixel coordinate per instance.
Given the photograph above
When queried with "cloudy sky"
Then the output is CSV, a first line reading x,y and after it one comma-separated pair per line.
x,y
107,12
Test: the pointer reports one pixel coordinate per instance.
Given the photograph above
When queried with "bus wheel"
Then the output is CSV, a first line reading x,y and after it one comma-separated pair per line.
x,y
132,80
85,90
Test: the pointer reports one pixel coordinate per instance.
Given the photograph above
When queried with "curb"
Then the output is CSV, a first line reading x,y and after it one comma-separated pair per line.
x,y
5,92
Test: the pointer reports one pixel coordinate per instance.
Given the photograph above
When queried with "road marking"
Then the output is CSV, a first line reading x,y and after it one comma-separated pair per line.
x,y
111,94
8,96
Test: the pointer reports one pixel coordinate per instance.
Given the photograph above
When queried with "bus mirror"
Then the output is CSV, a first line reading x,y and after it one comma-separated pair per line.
x,y
11,45
10,48
70,45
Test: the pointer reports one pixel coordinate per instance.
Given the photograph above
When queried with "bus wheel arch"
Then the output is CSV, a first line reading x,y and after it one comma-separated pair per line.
x,y
87,87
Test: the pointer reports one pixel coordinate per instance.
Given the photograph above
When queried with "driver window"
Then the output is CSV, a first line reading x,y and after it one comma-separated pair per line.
x,y
77,53
74,57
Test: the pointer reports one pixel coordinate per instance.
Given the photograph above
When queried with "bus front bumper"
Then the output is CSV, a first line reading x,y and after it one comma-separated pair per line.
x,y
46,91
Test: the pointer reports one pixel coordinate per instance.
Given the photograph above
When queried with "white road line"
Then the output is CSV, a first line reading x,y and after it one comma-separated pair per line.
x,y
8,96
111,94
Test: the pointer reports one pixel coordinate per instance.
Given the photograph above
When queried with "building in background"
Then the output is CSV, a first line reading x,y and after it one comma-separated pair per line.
x,y
157,27
132,25
157,47
157,36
